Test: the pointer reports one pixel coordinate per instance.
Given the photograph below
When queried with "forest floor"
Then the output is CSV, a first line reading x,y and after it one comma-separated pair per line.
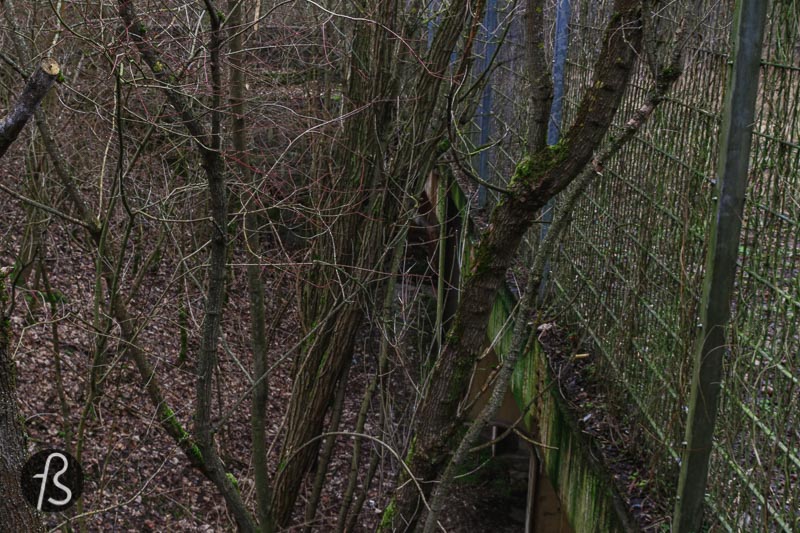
x,y
136,477
612,436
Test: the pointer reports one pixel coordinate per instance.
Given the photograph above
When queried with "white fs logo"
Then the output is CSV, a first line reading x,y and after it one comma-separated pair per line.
x,y
68,493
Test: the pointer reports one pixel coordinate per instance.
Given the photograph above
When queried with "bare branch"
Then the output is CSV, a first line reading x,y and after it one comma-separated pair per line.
x,y
34,92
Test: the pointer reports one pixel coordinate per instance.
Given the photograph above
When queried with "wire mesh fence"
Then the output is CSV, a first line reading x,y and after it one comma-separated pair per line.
x,y
631,265
757,460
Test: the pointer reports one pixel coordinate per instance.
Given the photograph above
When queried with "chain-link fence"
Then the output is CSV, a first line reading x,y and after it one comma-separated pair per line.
x,y
631,264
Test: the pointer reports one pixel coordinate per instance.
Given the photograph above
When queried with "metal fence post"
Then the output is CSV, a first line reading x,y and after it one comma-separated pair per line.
x,y
554,122
723,243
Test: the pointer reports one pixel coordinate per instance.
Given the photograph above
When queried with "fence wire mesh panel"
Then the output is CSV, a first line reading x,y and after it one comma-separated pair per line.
x,y
756,463
493,139
631,263
630,268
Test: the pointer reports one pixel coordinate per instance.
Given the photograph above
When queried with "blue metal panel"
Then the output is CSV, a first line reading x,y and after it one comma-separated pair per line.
x,y
433,21
559,64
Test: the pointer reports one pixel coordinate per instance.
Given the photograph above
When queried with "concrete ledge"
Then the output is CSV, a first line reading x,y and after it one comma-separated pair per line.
x,y
583,484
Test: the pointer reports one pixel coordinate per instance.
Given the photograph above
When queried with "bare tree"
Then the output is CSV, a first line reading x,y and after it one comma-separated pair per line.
x,y
377,106
384,152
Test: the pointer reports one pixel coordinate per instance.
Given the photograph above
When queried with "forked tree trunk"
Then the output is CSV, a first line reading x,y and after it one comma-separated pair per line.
x,y
538,178
208,144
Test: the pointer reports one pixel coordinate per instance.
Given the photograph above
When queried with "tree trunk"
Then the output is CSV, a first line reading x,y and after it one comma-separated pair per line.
x,y
33,93
349,255
208,144
379,159
16,514
540,74
255,287
538,178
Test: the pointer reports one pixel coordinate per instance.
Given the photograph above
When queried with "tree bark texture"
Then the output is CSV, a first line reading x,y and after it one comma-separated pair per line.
x,y
541,77
16,514
538,178
35,90
255,286
322,362
377,162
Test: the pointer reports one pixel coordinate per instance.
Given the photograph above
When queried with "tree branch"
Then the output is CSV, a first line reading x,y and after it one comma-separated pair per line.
x,y
34,92
541,93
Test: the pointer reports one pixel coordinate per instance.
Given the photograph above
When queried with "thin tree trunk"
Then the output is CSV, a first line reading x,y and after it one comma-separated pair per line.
x,y
208,145
33,239
58,374
255,287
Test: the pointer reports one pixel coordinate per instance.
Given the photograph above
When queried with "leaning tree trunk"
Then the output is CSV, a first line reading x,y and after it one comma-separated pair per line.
x,y
35,90
538,178
208,142
347,256
378,159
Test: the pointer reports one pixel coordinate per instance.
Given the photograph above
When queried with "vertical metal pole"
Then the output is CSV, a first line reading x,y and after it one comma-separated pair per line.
x,y
556,109
533,483
490,23
723,245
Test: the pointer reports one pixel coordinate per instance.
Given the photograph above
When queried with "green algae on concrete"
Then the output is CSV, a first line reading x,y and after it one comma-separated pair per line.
x,y
584,486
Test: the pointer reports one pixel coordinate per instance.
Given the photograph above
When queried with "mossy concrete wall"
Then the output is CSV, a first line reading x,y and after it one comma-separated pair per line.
x,y
583,484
